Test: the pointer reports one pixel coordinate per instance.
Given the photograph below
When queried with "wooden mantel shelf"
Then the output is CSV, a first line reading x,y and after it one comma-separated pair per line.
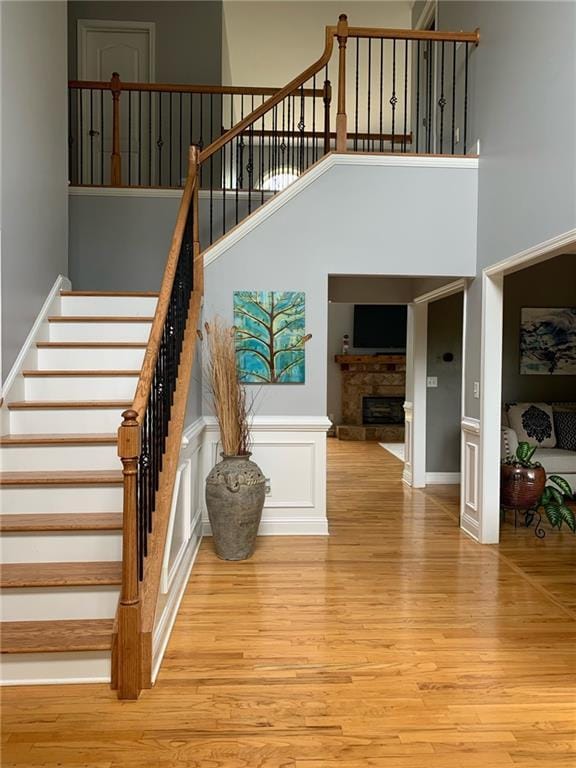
x,y
370,359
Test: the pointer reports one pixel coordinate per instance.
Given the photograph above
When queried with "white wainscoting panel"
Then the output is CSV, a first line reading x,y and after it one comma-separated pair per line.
x,y
408,418
470,492
183,539
291,452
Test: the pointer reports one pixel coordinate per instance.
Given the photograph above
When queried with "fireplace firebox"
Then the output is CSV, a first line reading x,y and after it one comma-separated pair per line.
x,y
382,410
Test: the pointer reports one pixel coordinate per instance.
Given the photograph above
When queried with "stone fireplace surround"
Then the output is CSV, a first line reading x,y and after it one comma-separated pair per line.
x,y
370,375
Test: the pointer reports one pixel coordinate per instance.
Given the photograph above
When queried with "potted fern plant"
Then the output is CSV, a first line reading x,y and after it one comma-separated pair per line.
x,y
523,487
235,487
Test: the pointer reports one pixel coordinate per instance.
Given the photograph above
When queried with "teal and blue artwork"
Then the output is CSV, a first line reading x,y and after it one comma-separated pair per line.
x,y
270,336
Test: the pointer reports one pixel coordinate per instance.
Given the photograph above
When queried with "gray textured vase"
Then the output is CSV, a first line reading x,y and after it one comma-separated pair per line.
x,y
235,491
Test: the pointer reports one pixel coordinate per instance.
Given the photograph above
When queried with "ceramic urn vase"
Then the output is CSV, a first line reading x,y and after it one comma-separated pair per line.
x,y
521,487
235,491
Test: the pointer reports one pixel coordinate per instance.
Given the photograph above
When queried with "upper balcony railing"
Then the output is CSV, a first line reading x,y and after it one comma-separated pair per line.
x,y
399,91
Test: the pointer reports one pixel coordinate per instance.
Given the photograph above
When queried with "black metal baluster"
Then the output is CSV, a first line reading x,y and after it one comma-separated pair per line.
x,y
250,166
223,172
262,161
405,94
381,89
71,177
201,138
139,138
129,138
356,93
417,93
91,134
301,126
238,171
453,138
393,99
429,98
102,136
465,98
366,142
159,142
150,177
287,158
442,100
180,129
81,139
170,140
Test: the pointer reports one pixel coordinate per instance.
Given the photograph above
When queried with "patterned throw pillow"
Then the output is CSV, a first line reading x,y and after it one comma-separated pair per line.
x,y
565,426
533,423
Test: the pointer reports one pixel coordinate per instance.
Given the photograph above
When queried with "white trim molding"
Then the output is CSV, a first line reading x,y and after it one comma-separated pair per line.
x,y
408,418
456,286
470,472
291,451
314,172
174,193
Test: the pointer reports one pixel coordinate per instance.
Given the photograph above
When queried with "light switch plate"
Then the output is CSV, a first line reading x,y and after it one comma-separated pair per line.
x,y
432,382
476,389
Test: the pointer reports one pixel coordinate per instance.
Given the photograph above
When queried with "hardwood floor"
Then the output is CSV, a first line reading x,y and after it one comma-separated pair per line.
x,y
395,643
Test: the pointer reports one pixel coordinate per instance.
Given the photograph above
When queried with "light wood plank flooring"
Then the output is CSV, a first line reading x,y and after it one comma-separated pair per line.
x,y
395,643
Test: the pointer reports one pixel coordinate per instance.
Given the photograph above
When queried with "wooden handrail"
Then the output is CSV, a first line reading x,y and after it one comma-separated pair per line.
x,y
150,356
224,90
270,103
415,34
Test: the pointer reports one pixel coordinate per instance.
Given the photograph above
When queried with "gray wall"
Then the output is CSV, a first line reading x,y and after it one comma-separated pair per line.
x,y
443,404
188,35
319,232
120,242
523,81
34,206
550,284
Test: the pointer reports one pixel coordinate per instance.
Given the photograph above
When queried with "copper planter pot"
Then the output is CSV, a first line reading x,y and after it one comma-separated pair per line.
x,y
521,487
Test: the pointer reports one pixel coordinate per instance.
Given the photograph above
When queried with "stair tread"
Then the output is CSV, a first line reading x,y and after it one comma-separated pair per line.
x,y
64,439
64,373
100,319
65,521
109,293
57,636
91,344
21,575
71,477
23,404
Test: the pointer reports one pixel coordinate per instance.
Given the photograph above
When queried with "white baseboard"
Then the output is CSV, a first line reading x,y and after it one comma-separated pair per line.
x,y
407,477
470,526
442,478
284,527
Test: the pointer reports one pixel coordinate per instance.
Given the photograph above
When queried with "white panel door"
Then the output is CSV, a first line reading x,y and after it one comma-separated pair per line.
x,y
105,47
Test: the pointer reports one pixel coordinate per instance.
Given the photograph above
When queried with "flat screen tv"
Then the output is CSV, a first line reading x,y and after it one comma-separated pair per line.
x,y
380,326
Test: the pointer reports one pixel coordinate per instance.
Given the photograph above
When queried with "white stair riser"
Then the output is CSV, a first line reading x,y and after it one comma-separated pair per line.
x,y
90,359
99,331
65,420
98,306
44,604
46,668
70,547
20,500
39,458
80,387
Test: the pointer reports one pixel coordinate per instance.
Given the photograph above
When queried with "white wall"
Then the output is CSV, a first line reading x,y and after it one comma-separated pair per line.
x,y
34,135
269,43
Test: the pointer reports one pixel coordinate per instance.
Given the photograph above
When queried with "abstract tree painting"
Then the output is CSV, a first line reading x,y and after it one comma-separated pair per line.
x,y
270,336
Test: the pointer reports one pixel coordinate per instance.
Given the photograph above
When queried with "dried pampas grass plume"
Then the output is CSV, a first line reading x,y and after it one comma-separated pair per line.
x,y
227,393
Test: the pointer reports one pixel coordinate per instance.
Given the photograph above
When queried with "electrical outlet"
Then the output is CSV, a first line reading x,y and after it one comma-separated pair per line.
x,y
267,486
457,136
432,382
476,389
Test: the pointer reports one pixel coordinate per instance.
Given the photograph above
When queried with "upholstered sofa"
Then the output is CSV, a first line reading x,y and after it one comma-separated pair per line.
x,y
555,460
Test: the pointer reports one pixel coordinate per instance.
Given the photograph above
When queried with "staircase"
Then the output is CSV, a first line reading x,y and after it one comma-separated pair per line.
x,y
61,521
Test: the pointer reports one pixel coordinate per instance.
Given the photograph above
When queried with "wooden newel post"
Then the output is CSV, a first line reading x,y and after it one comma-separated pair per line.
x,y
341,126
129,655
116,158
327,98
